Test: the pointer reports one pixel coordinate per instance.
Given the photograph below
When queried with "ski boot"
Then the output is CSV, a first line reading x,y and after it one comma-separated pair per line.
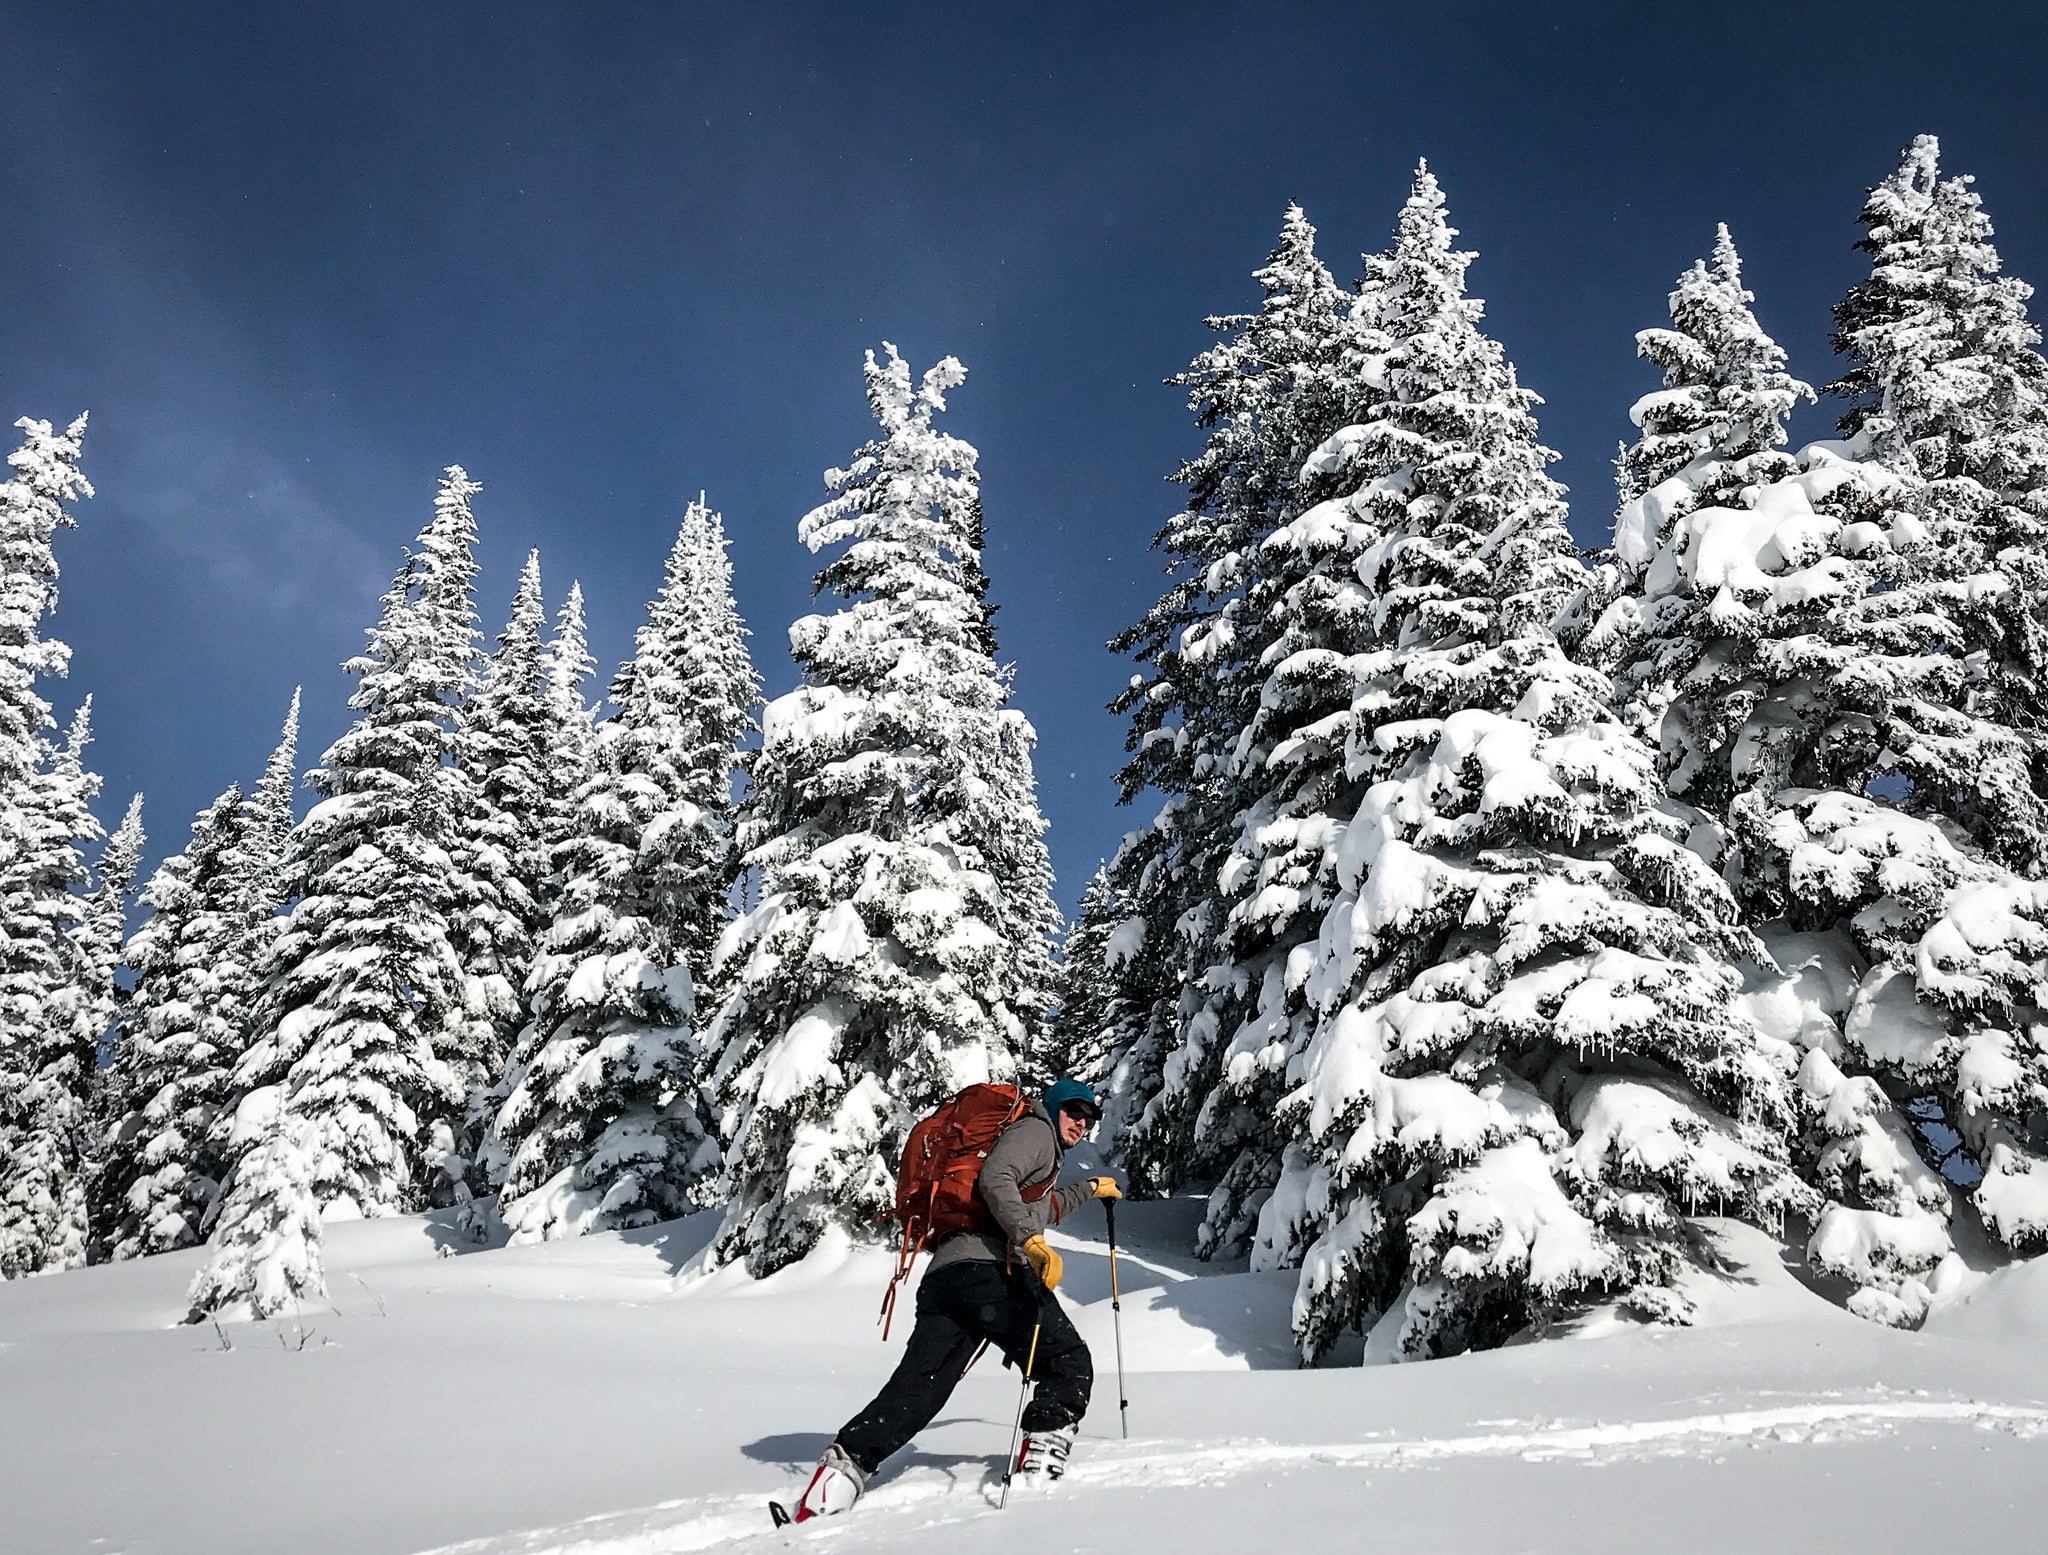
x,y
835,1485
1043,1457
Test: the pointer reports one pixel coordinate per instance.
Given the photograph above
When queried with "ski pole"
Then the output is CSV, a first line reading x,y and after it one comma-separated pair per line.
x,y
1017,1425
1116,1316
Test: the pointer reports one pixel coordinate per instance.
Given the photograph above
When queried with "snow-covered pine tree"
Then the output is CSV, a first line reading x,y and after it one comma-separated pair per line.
x,y
1000,820
361,1040
692,676
979,582
1829,641
48,1046
1949,391
96,946
267,1257
103,926
1911,974
1263,394
503,742
179,1036
1010,832
1714,430
44,478
260,861
874,977
1288,782
1144,1003
1725,397
1525,1066
214,917
571,726
1084,1031
38,859
604,1124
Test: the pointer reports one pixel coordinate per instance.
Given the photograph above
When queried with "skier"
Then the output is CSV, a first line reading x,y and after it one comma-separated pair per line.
x,y
989,1286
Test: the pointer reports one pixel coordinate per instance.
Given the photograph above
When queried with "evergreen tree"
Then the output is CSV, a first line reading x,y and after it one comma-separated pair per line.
x,y
1725,397
213,921
1948,391
179,1037
691,675
103,926
571,724
876,976
1008,830
261,862
978,582
267,1257
38,865
96,946
49,1044
504,743
1840,698
1926,1064
1085,1032
1265,394
44,478
1524,1065
604,1124
1288,782
1715,429
362,1041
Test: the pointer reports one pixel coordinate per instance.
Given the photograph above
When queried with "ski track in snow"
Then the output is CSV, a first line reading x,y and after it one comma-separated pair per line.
x,y
677,1527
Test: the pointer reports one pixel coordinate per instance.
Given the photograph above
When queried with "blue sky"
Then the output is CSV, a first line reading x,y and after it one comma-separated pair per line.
x,y
294,260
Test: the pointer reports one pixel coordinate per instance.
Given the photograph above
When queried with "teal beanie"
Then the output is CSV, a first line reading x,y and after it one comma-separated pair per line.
x,y
1067,1089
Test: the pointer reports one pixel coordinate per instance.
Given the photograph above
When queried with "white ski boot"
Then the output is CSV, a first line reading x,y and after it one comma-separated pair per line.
x,y
1043,1458
835,1486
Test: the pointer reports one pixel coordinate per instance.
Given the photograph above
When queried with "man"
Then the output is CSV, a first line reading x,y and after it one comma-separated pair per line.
x,y
992,1286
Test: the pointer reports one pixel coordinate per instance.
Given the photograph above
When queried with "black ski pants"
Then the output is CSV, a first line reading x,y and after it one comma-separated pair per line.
x,y
959,1306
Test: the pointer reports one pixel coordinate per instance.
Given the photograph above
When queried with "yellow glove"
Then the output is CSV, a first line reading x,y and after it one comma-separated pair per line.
x,y
1045,1263
1104,1188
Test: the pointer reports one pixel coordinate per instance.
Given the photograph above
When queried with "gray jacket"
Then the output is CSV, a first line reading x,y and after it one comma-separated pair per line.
x,y
1024,1155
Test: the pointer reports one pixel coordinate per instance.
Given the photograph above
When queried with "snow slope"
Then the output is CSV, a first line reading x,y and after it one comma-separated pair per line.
x,y
579,1397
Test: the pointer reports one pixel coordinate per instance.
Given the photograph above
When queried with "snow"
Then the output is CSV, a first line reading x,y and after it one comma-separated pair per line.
x,y
609,1403
803,1055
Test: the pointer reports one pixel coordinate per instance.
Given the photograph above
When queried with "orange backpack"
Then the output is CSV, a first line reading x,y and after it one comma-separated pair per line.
x,y
936,1193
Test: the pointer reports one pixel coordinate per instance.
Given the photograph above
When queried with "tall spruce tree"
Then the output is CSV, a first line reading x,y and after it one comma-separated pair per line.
x,y
571,725
48,1057
1524,1066
1264,393
504,744
40,1106
213,919
877,973
604,1124
179,1037
1085,1032
1714,430
1725,397
1949,397
352,1089
1951,394
694,675
1288,782
103,925
261,862
96,943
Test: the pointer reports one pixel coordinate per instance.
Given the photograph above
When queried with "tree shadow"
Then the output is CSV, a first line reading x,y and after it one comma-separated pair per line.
x,y
677,1242
1246,1316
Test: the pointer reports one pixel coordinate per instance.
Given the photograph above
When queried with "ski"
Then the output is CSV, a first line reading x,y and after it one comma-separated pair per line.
x,y
779,1514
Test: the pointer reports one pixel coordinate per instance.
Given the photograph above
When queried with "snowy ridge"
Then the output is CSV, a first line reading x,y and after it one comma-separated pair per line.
x,y
707,1522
